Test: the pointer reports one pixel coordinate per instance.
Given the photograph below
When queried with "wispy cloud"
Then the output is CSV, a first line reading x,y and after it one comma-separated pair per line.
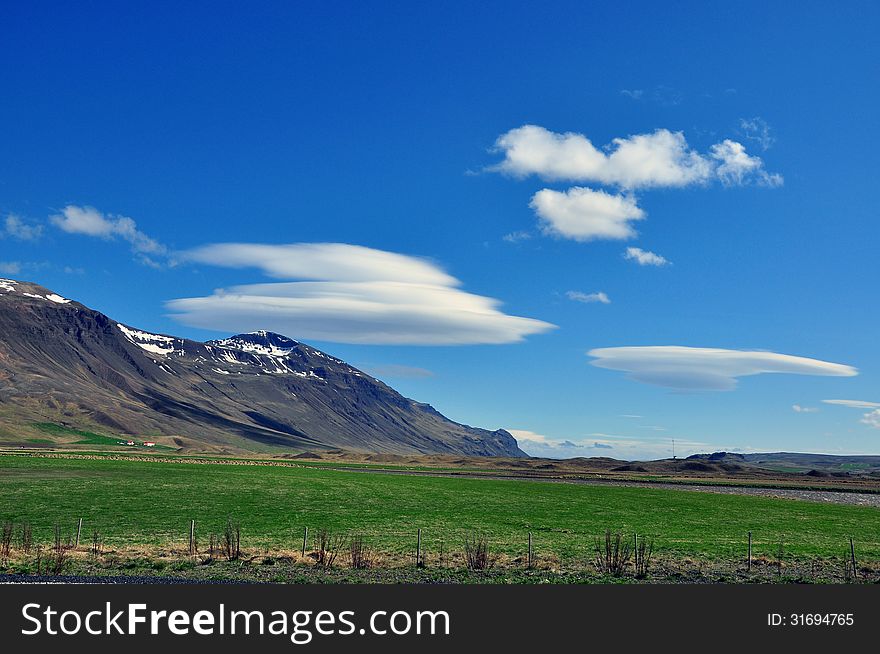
x,y
615,445
517,237
588,298
644,257
88,221
854,404
662,95
10,267
797,408
348,294
694,368
756,129
15,227
635,94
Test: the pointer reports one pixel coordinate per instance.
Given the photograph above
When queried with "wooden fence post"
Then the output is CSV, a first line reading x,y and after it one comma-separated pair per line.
x,y
852,554
192,537
750,552
305,540
419,550
78,532
530,550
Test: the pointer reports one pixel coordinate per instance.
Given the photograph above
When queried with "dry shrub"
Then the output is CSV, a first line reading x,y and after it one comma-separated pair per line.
x,y
231,542
476,552
329,546
613,555
644,550
360,555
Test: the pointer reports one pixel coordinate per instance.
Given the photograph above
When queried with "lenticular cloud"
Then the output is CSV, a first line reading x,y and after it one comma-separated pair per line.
x,y
695,368
348,294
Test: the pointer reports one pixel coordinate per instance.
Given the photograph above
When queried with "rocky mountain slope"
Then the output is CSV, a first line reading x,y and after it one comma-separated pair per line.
x,y
65,364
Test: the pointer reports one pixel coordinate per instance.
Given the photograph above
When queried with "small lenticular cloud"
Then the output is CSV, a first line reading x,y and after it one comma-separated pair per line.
x,y
588,298
645,258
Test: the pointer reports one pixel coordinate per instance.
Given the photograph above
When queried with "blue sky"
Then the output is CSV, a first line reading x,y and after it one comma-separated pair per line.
x,y
135,140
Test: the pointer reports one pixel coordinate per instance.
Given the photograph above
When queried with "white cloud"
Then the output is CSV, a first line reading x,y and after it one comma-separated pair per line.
x,y
10,267
659,159
872,419
736,167
516,237
588,298
358,295
854,404
797,408
693,368
524,435
15,227
756,129
627,448
91,222
644,257
584,214
635,94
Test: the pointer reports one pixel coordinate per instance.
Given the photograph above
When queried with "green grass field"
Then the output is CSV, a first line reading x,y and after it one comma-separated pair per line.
x,y
135,502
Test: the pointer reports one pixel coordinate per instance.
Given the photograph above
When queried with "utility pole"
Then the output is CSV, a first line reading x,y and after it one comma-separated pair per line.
x,y
673,449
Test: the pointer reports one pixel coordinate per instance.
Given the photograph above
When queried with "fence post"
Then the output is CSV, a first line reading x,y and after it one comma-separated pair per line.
x,y
78,531
192,537
530,549
750,552
419,549
852,554
305,540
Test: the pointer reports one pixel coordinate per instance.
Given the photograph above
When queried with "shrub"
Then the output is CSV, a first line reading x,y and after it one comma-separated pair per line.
x,y
613,555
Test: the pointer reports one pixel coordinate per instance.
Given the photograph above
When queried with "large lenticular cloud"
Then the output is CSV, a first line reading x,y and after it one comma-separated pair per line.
x,y
696,368
353,294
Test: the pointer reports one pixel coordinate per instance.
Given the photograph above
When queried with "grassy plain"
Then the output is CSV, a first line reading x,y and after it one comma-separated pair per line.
x,y
152,503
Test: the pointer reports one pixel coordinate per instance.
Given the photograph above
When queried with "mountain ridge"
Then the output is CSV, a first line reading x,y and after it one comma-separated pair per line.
x,y
62,361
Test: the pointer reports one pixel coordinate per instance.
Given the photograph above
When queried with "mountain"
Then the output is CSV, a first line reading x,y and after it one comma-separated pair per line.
x,y
65,368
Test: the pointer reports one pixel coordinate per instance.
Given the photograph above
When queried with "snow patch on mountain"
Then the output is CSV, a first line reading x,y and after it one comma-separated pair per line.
x,y
153,343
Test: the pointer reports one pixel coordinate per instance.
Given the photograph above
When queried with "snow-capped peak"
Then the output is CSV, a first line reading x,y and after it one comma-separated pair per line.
x,y
260,342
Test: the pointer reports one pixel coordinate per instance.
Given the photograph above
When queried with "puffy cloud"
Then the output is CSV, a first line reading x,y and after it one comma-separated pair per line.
x,y
584,214
854,404
872,419
797,408
355,295
645,258
736,167
15,227
88,221
659,159
694,368
588,298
